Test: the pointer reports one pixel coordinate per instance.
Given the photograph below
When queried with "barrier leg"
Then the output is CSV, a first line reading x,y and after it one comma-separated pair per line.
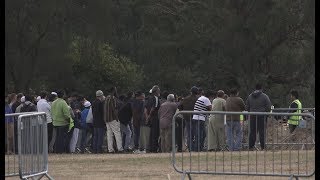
x,y
184,175
292,176
48,176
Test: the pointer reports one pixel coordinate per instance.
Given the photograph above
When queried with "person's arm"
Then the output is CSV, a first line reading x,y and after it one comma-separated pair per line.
x,y
146,115
66,111
247,107
208,104
268,104
242,105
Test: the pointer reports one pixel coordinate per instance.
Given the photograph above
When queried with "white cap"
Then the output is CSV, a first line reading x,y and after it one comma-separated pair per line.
x,y
87,104
23,99
54,93
38,98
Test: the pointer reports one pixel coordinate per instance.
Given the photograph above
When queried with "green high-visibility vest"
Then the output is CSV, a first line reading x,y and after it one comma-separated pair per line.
x,y
294,120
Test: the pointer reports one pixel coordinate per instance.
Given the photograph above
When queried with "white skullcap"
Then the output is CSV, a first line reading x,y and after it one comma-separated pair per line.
x,y
23,99
54,93
87,104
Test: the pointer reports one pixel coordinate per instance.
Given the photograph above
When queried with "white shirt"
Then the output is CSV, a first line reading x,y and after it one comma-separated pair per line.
x,y
201,105
44,106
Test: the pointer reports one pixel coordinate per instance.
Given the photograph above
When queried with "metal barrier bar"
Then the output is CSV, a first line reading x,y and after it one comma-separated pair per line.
x,y
11,163
33,145
281,156
29,156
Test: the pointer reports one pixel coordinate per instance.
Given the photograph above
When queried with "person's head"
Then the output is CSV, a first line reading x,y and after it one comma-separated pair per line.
x,y
43,94
99,95
140,95
170,98
51,97
29,98
225,96
294,94
155,90
19,96
258,86
201,92
210,94
60,93
23,99
165,94
87,104
220,93
234,92
194,90
12,98
130,95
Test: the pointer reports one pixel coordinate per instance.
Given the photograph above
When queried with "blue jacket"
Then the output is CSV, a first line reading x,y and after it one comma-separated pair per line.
x,y
8,111
83,118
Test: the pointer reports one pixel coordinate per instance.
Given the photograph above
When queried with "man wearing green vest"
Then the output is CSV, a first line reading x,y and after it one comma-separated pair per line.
x,y
293,121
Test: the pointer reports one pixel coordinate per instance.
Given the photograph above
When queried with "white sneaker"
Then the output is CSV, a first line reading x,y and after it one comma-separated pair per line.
x,y
143,152
137,151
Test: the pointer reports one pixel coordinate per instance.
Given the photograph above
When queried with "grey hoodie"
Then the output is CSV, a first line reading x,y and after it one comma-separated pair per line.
x,y
258,102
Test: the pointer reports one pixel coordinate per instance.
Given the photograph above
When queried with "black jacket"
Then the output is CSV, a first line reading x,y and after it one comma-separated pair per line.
x,y
97,113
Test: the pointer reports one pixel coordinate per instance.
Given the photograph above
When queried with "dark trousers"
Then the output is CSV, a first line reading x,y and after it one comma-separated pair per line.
x,y
61,143
198,132
90,131
83,141
15,136
154,135
257,125
98,137
70,134
50,130
136,135
179,136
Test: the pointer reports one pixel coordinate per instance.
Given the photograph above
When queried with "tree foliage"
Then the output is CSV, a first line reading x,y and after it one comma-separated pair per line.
x,y
216,44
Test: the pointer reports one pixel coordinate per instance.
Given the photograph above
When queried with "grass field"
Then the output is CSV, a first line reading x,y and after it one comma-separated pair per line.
x,y
158,166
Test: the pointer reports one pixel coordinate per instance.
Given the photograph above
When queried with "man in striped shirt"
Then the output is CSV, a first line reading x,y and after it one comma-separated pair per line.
x,y
202,104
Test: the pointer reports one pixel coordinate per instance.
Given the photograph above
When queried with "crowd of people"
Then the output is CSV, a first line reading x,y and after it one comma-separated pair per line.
x,y
140,123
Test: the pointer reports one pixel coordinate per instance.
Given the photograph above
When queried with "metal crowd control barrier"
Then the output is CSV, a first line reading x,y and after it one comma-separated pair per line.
x,y
280,153
31,147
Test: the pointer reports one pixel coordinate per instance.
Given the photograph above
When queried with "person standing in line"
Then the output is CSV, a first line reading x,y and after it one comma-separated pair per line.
x,y
14,108
293,121
216,132
44,106
12,99
125,115
257,102
9,125
145,128
83,124
61,119
99,123
28,105
234,132
137,118
112,121
152,107
166,113
188,105
198,120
